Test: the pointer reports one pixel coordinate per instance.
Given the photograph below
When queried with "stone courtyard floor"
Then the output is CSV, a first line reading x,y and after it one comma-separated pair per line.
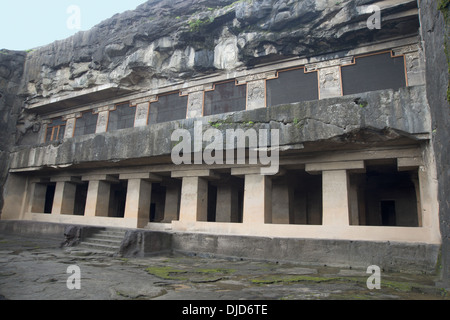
x,y
36,269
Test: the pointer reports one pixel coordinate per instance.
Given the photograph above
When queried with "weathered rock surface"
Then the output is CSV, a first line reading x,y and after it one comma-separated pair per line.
x,y
171,40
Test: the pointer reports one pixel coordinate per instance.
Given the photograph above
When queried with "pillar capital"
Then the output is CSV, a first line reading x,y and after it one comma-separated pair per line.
x,y
358,166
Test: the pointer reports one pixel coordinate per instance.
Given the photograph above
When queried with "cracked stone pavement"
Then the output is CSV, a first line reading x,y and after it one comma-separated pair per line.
x,y
36,269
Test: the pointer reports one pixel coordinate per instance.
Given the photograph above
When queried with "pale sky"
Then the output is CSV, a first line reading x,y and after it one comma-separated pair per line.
x,y
27,24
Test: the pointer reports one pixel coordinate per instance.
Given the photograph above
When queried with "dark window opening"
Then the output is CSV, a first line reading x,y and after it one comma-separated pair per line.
x,y
169,107
225,200
86,124
158,202
388,213
374,72
292,86
80,199
49,197
122,117
117,199
225,97
297,198
212,202
384,196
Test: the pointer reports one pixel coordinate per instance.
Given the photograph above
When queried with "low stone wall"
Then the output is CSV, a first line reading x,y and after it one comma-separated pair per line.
x,y
389,256
33,228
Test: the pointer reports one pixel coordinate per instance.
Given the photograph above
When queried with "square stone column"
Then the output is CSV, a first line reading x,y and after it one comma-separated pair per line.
x,y
139,196
97,202
70,126
194,194
257,199
37,204
103,117
194,199
64,200
335,198
138,201
414,63
282,211
172,204
329,73
196,98
335,189
141,117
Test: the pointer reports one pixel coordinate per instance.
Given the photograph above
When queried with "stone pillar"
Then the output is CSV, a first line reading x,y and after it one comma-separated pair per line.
x,y
138,201
414,64
335,189
281,204
97,202
335,198
102,121
172,204
329,73
70,125
139,196
194,194
257,196
142,109
256,89
195,101
38,198
64,200
194,199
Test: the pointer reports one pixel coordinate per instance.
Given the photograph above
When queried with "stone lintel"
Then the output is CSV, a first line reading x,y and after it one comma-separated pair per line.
x,y
100,177
328,63
150,177
71,179
245,170
39,180
405,164
204,173
330,166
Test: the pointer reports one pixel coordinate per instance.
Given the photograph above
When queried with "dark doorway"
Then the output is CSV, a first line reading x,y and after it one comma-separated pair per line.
x,y
158,202
80,199
49,197
388,213
118,197
212,202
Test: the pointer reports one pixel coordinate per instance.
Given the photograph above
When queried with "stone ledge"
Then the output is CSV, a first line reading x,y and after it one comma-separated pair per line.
x,y
403,112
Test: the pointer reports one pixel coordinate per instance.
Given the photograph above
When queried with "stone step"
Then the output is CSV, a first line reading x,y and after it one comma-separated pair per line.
x,y
111,237
107,241
99,246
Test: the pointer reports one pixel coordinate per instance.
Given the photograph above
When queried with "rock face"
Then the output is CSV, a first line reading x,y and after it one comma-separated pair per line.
x,y
162,42
11,106
435,33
